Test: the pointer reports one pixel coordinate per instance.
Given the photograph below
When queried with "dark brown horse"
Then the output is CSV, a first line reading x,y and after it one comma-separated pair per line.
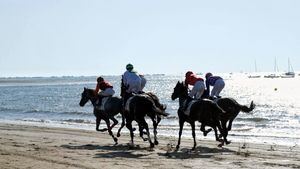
x,y
137,108
232,109
112,107
205,111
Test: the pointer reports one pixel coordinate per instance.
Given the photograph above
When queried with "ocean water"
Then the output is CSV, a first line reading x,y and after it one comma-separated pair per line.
x,y
54,101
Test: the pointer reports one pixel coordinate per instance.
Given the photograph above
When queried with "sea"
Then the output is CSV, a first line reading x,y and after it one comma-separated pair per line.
x,y
54,102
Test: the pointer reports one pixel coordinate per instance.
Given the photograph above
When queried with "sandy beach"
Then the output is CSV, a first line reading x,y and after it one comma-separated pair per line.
x,y
25,146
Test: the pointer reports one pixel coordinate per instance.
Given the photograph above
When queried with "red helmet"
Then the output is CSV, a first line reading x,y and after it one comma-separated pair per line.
x,y
207,75
188,73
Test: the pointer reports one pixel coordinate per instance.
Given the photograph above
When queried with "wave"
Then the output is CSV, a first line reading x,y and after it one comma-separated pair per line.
x,y
79,121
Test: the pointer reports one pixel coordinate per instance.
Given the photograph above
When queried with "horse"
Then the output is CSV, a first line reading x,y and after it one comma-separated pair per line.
x,y
205,111
232,109
156,118
112,107
137,107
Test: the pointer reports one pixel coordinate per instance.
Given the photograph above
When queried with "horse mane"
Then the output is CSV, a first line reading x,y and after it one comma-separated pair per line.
x,y
90,91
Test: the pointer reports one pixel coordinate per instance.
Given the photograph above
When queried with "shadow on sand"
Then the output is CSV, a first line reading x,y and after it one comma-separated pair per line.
x,y
199,152
126,151
120,150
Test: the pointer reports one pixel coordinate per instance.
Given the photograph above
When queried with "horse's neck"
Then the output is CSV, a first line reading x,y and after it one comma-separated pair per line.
x,y
181,101
93,100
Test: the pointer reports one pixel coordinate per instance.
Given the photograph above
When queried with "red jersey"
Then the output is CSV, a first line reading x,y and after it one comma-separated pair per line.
x,y
102,86
192,79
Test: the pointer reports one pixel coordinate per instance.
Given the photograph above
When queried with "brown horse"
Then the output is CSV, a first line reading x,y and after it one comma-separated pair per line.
x,y
112,107
137,108
205,111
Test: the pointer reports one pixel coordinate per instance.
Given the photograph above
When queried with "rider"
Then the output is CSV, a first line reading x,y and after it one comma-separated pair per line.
x,y
198,87
132,82
217,82
105,88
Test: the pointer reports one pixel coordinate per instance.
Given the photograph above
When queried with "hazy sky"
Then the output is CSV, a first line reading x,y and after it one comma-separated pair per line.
x,y
99,37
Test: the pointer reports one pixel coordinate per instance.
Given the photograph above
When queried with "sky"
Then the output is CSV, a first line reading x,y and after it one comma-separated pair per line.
x,y
99,37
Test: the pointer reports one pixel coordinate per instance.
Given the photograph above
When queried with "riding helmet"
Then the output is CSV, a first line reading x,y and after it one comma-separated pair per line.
x,y
207,75
188,73
129,67
100,79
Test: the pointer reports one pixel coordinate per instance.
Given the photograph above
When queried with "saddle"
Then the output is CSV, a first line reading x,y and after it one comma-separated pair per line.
x,y
100,103
188,109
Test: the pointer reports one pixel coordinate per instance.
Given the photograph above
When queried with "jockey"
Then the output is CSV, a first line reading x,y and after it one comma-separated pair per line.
x,y
217,83
132,82
198,87
105,88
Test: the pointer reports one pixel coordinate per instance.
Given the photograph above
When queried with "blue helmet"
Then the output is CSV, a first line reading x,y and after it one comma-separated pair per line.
x,y
207,75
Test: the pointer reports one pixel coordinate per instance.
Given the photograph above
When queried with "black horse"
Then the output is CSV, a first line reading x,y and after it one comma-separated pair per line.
x,y
137,107
112,107
205,111
232,109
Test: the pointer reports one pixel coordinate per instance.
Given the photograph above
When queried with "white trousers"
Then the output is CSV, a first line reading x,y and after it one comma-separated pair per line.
x,y
218,87
107,92
197,90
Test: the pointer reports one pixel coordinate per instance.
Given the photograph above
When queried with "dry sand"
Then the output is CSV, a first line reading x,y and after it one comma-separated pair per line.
x,y
25,146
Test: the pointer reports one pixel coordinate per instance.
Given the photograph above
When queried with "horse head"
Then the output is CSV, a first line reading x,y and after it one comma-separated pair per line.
x,y
86,95
180,90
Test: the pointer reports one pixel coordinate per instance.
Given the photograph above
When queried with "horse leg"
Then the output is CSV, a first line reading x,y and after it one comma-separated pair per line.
x,y
98,120
216,133
141,130
222,130
122,125
155,124
129,126
145,125
225,133
110,132
193,134
115,122
181,123
205,132
229,125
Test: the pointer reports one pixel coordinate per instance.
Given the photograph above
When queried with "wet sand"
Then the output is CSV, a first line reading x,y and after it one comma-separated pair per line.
x,y
24,146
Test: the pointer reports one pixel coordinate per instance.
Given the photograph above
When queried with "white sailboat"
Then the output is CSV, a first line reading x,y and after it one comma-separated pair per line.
x,y
273,75
254,75
290,73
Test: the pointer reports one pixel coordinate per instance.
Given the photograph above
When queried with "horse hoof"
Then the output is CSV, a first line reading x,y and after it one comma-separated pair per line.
x,y
156,142
103,130
228,142
221,145
118,135
177,148
151,145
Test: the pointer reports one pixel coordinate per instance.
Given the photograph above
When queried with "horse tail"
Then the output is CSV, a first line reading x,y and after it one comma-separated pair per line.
x,y
247,109
159,111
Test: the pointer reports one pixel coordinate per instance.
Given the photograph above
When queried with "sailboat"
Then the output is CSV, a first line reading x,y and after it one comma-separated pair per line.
x,y
290,73
273,75
254,75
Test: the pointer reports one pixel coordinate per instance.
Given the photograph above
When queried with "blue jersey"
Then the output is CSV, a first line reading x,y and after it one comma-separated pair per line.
x,y
212,80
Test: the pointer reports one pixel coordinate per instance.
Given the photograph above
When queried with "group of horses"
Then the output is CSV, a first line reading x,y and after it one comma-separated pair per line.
x,y
217,114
